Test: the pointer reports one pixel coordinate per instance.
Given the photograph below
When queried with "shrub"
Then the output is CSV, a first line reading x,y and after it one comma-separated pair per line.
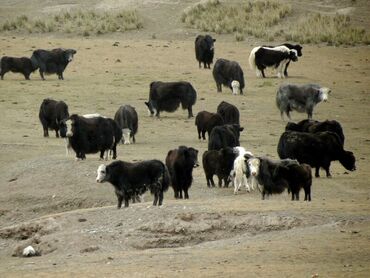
x,y
334,30
80,22
252,18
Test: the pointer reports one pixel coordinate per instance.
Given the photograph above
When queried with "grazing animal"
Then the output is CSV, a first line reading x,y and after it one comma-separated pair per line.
x,y
229,74
298,176
265,171
127,119
91,135
167,96
134,179
295,47
224,136
316,149
301,98
52,61
262,57
22,65
313,126
229,113
220,163
206,121
53,115
180,163
204,50
240,170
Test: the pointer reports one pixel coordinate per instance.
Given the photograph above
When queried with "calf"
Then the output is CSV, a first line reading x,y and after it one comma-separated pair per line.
x,y
240,171
219,163
91,135
206,121
127,119
53,115
22,65
312,126
180,163
301,98
262,57
229,74
52,61
317,150
134,179
204,50
298,176
224,136
229,113
167,96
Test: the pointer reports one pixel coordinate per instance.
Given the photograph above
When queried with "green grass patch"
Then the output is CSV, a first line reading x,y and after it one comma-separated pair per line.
x,y
334,30
83,23
249,17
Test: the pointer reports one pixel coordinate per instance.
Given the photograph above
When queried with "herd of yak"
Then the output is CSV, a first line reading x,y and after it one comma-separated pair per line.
x,y
303,145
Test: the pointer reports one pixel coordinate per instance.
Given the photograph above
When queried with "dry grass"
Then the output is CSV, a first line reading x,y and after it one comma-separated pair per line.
x,y
81,23
251,18
334,30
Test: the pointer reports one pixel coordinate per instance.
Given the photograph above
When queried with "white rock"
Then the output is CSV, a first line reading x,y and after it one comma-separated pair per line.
x,y
29,251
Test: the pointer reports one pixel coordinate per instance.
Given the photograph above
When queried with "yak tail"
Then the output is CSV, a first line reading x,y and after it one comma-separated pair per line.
x,y
166,180
252,58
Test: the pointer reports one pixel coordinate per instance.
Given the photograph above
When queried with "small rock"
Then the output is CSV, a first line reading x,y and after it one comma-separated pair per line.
x,y
29,251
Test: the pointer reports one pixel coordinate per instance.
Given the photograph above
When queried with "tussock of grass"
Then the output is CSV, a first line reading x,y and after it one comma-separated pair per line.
x,y
82,23
335,30
251,18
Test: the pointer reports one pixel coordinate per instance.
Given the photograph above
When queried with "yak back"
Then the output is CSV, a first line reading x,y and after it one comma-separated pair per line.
x,y
224,136
169,95
229,113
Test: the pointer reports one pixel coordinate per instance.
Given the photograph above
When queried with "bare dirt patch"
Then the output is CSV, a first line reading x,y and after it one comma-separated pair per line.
x,y
214,233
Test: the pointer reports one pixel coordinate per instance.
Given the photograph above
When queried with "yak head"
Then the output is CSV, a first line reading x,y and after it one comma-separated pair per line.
x,y
152,108
235,86
102,174
71,124
324,94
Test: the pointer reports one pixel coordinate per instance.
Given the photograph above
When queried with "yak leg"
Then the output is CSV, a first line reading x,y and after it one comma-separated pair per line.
x,y
219,88
190,112
186,195
119,199
155,199
160,198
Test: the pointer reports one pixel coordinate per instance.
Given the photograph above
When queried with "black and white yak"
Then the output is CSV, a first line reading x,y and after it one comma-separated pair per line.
x,y
261,58
229,74
134,179
92,135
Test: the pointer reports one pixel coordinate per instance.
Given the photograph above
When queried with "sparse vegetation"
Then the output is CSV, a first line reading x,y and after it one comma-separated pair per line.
x,y
263,19
334,30
82,23
251,18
